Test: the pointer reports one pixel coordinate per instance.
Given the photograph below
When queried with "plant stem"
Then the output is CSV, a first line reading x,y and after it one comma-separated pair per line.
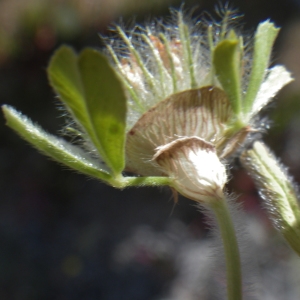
x,y
231,249
123,182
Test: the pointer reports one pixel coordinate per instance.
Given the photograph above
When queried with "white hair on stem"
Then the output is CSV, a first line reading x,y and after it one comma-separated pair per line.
x,y
248,263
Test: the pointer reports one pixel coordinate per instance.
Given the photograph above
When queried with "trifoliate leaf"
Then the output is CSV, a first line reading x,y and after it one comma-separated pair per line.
x,y
93,93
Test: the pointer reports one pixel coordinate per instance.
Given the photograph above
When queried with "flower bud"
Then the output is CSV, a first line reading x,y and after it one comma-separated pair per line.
x,y
194,167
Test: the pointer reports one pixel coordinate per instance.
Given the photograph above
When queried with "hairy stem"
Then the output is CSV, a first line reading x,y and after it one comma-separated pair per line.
x,y
123,182
231,249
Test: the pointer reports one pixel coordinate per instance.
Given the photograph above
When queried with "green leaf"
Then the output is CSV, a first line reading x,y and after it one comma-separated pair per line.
x,y
92,92
65,78
226,61
106,106
264,39
58,149
277,191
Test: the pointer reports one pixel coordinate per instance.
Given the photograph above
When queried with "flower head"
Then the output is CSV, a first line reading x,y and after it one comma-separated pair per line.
x,y
159,61
202,112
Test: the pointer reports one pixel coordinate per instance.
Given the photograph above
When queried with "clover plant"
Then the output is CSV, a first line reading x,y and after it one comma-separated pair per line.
x,y
171,105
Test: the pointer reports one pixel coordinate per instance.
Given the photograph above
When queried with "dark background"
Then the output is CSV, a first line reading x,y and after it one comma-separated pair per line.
x,y
64,236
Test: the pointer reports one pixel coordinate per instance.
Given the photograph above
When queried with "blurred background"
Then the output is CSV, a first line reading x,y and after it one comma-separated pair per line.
x,y
66,237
